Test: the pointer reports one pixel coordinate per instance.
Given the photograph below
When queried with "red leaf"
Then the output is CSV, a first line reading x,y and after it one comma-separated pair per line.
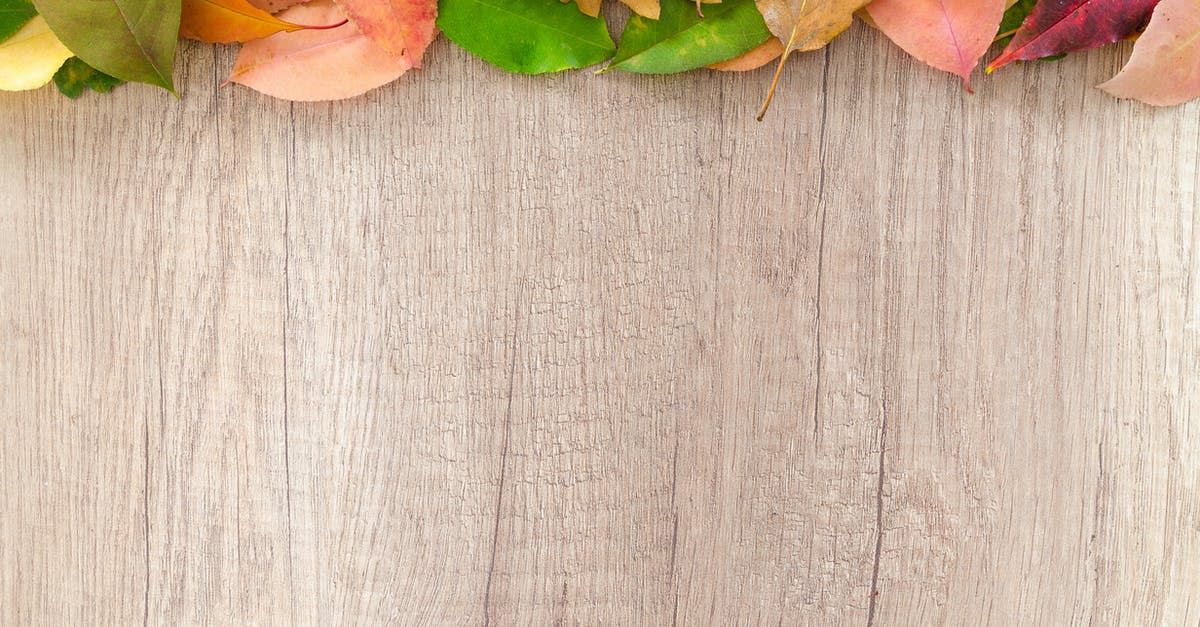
x,y
1062,26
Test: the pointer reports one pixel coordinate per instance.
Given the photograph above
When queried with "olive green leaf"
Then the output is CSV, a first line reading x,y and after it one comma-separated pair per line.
x,y
526,36
133,40
681,40
75,76
13,15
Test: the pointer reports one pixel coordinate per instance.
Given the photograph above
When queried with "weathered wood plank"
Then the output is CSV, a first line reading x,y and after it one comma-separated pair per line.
x,y
490,349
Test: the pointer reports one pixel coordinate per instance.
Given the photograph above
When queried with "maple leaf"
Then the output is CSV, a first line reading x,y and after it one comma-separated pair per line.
x,y
228,21
310,65
1164,69
950,35
404,28
1057,27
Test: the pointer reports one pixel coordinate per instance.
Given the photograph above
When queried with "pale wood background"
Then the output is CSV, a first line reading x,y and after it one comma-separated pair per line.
x,y
485,349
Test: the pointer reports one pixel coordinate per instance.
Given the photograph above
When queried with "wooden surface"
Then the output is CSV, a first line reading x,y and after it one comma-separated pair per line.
x,y
485,349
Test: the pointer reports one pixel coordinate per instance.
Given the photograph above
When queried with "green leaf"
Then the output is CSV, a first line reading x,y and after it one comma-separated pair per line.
x,y
680,40
526,36
13,15
75,76
133,40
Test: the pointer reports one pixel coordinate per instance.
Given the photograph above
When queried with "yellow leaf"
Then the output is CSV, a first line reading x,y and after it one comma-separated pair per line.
x,y
30,58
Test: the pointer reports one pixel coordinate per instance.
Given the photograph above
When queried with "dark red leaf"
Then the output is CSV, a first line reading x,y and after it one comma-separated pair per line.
x,y
1061,26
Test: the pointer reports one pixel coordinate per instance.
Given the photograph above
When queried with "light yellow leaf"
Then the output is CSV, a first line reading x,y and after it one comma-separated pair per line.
x,y
30,58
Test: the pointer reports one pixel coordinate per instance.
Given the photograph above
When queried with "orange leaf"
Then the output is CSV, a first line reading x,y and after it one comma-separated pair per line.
x,y
228,21
312,65
403,28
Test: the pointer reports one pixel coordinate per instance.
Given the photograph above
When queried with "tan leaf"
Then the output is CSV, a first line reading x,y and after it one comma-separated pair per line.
x,y
808,24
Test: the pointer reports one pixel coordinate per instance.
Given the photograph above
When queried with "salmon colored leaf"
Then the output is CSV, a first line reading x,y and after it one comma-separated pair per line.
x,y
133,40
950,35
1057,27
229,21
403,28
30,57
311,65
1165,67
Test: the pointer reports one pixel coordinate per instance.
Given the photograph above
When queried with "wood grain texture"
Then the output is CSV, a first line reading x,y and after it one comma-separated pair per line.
x,y
485,349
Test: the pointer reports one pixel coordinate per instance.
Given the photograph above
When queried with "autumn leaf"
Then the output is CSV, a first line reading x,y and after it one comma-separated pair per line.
x,y
311,65
13,15
100,32
403,28
1164,69
950,35
805,25
229,21
30,57
681,40
1063,26
75,77
526,36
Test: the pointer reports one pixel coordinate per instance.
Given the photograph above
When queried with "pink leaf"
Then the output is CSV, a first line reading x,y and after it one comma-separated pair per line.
x,y
316,64
1165,67
950,35
404,28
